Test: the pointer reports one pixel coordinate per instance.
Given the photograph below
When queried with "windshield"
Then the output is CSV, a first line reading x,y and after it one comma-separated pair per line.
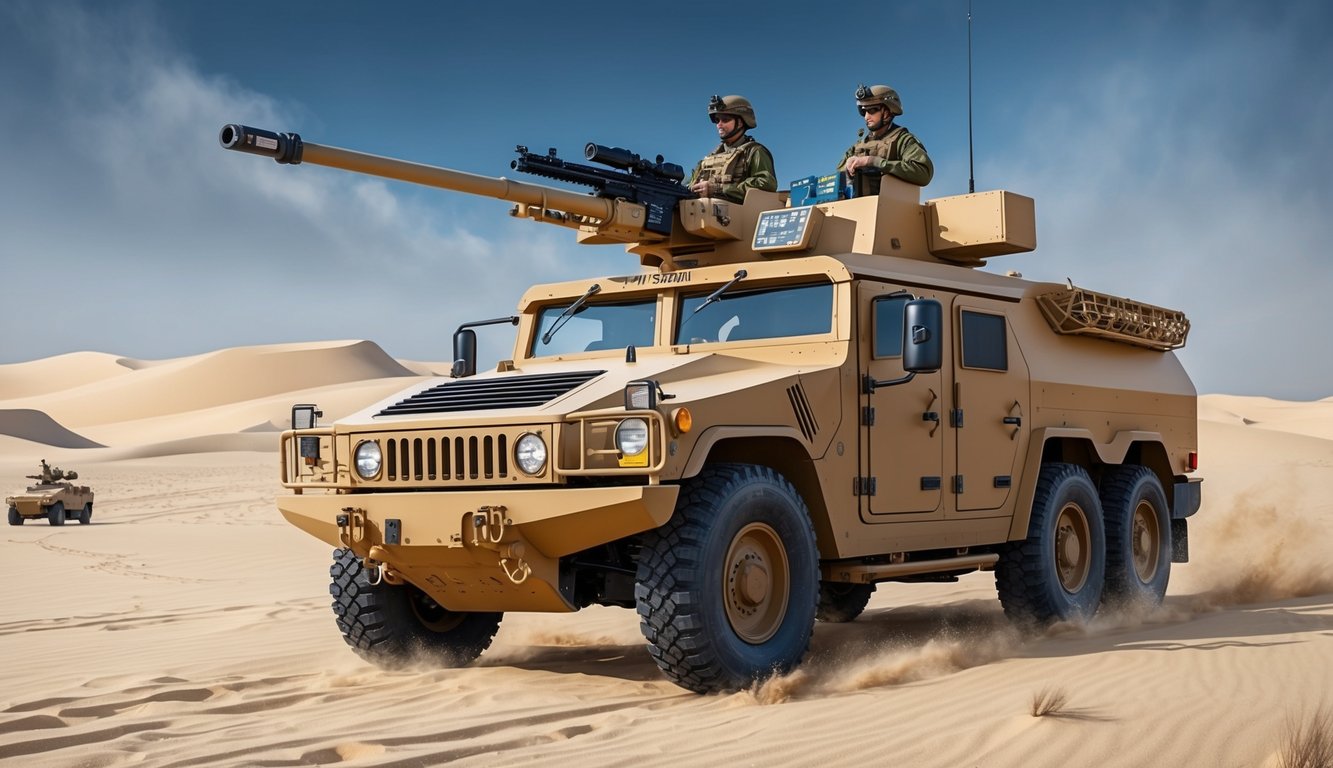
x,y
737,315
596,327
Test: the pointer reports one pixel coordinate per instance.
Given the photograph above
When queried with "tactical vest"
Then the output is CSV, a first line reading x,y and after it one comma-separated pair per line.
x,y
726,165
886,146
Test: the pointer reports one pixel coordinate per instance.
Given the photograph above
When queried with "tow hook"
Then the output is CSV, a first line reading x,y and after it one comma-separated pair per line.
x,y
351,526
488,530
488,526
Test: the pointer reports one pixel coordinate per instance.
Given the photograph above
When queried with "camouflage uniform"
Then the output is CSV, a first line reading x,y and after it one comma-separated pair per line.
x,y
738,167
898,152
895,149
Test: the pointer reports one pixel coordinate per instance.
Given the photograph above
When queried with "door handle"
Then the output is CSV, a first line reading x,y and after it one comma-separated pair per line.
x,y
932,416
1017,421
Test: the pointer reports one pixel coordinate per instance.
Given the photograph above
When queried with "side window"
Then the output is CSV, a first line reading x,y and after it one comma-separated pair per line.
x,y
888,323
985,343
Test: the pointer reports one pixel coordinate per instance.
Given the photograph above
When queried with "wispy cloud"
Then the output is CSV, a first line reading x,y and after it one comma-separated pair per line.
x,y
133,232
1153,181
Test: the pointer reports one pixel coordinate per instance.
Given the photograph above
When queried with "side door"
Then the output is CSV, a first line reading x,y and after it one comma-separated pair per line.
x,y
990,401
902,427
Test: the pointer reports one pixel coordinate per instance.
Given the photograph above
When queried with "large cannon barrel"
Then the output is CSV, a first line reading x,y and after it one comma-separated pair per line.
x,y
289,148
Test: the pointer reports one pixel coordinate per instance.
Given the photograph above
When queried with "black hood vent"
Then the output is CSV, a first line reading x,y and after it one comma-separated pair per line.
x,y
487,394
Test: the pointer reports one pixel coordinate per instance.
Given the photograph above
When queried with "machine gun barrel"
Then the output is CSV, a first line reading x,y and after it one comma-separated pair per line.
x,y
289,148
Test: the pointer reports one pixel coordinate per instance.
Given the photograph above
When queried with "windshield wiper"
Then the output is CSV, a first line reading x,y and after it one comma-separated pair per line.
x,y
715,295
569,312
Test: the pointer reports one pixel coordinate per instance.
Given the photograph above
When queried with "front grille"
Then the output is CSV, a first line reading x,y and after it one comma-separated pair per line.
x,y
422,459
487,394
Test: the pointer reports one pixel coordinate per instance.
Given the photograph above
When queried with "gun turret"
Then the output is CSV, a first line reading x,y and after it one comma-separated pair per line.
x,y
655,186
632,205
642,204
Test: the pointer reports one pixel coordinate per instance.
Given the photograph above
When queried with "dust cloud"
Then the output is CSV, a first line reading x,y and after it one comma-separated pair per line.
x,y
1257,550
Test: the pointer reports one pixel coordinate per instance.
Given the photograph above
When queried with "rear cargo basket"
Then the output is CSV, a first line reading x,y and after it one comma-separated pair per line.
x,y
1080,311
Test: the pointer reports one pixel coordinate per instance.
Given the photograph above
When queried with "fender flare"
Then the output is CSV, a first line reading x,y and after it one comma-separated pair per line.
x,y
710,437
1113,452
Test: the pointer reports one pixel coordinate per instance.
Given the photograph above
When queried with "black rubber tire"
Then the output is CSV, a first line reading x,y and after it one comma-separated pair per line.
x,y
55,514
1125,490
685,591
86,516
1028,576
14,517
387,624
840,602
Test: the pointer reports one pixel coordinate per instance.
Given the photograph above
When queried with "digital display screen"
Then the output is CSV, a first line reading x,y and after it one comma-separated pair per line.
x,y
783,229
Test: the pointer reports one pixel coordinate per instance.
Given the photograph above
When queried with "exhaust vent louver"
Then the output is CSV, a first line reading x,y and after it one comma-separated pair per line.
x,y
805,415
488,394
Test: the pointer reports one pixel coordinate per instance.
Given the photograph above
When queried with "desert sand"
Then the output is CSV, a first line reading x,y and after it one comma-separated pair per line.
x,y
190,625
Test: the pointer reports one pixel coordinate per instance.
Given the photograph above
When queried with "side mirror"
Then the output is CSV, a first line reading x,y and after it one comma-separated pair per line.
x,y
465,353
923,345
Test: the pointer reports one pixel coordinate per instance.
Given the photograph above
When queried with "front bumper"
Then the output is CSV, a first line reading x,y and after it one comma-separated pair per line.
x,y
483,550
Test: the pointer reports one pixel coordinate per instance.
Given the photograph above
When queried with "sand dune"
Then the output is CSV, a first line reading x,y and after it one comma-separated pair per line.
x,y
53,374
35,426
189,625
218,378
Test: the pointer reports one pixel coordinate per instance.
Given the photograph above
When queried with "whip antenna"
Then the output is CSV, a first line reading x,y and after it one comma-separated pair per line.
x,y
971,172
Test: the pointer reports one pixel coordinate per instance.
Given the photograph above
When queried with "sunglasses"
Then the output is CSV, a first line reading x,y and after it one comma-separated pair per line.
x,y
870,110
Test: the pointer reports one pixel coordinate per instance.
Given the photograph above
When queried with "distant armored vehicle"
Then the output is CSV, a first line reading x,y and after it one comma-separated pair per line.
x,y
785,406
52,498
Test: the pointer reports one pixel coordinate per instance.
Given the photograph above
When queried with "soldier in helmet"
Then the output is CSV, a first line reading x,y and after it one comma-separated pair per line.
x,y
739,162
887,146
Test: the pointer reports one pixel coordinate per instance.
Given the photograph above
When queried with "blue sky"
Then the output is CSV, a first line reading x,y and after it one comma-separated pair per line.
x,y
1179,153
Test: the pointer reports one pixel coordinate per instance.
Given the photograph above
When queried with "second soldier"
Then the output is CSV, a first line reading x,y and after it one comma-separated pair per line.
x,y
887,147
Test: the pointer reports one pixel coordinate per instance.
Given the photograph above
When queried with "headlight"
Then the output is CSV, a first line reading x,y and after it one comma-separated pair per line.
x,y
632,437
530,453
368,459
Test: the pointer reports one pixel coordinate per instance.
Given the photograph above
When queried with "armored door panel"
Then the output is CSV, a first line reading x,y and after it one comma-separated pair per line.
x,y
902,455
990,400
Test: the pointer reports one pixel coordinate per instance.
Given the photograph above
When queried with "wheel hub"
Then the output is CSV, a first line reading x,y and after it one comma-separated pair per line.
x,y
756,583
1145,540
753,582
1072,554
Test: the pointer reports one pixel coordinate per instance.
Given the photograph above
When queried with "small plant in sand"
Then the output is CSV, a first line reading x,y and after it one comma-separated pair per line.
x,y
1308,743
1049,701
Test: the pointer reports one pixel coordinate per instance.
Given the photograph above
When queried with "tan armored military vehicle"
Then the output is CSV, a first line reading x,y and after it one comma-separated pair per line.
x,y
53,498
785,406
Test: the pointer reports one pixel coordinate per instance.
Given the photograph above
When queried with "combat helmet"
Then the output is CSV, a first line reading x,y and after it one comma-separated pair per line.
x,y
738,106
881,95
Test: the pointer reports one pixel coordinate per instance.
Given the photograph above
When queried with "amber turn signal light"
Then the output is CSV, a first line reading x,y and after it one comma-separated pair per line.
x,y
682,419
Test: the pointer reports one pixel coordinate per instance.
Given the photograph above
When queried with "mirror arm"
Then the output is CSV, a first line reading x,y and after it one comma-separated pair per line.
x,y
870,384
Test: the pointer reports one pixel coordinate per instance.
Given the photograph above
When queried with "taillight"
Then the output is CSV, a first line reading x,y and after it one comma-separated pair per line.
x,y
1192,460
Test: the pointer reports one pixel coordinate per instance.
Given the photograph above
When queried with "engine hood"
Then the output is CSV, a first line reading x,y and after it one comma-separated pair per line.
x,y
548,391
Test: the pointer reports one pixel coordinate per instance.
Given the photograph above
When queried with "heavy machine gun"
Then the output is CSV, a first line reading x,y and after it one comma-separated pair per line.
x,y
635,204
654,185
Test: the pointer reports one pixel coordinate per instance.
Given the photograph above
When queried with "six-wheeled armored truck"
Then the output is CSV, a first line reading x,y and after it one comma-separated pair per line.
x,y
52,498
793,399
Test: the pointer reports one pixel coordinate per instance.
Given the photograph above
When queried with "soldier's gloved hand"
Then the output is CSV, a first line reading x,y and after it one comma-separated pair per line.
x,y
703,188
855,163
